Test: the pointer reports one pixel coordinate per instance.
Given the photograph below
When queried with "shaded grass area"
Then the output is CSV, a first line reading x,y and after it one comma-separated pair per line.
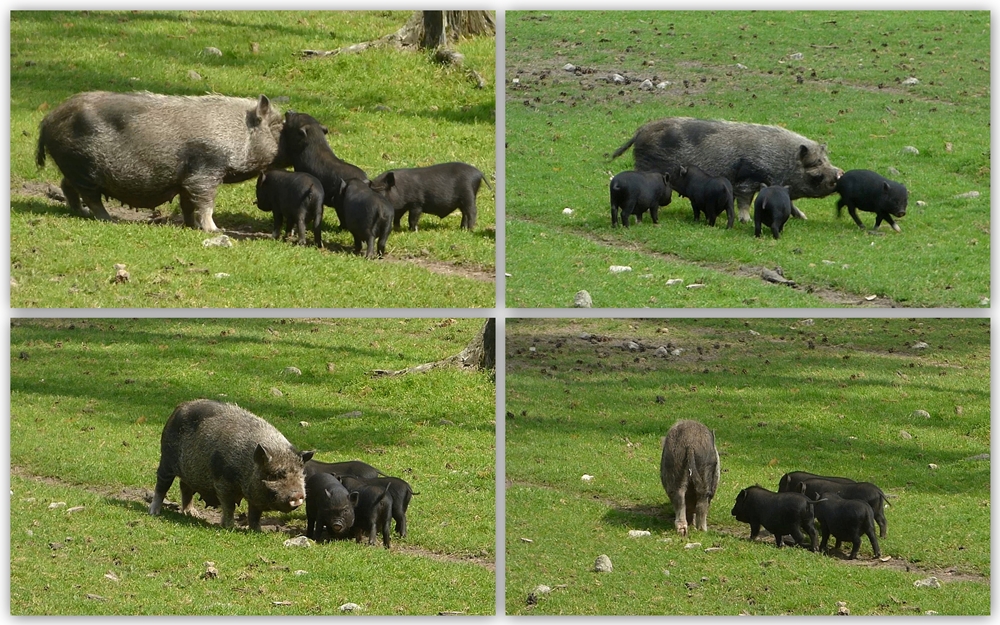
x,y
88,404
832,396
845,91
385,109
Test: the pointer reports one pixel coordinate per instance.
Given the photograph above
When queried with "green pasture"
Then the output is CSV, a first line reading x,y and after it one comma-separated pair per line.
x,y
385,109
834,397
89,399
835,77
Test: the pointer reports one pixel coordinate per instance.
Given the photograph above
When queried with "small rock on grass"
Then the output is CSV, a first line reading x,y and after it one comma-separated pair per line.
x,y
968,195
619,268
582,299
922,413
638,533
349,607
602,564
293,371
909,149
219,241
298,541
212,51
541,589
673,281
930,582
919,345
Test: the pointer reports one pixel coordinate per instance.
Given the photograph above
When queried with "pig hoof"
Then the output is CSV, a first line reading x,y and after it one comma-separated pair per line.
x,y
896,228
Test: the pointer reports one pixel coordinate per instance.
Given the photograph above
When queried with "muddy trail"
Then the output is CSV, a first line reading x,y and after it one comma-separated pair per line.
x,y
662,520
213,517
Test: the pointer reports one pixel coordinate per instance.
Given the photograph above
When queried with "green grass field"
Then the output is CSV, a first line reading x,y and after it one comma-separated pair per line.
x,y
845,90
385,109
834,397
88,402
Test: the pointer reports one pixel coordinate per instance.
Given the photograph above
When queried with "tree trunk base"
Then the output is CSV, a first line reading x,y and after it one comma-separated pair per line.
x,y
479,354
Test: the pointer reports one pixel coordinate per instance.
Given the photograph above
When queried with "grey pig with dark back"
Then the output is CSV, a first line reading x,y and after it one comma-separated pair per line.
x,y
779,513
845,519
689,472
303,140
329,506
861,189
772,208
436,190
354,468
144,149
228,454
367,214
292,197
712,195
863,491
790,482
746,154
635,192
373,513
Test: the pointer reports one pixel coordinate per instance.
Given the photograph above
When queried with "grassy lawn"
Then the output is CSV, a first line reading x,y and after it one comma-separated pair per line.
x,y
835,397
88,402
846,90
385,109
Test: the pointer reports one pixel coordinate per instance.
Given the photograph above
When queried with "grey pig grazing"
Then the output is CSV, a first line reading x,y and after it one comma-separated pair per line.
x,y
790,481
710,195
144,149
779,513
228,454
635,192
329,505
772,207
863,491
865,190
367,214
689,472
846,519
292,197
373,513
746,154
435,190
354,468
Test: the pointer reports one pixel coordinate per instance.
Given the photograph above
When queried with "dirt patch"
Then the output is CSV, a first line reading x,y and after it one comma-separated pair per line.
x,y
447,268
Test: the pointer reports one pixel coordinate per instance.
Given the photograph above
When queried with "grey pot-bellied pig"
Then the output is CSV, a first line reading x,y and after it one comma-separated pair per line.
x,y
635,192
689,472
228,454
845,519
435,190
293,197
772,208
747,154
373,513
778,513
790,482
329,505
367,214
861,189
303,141
354,468
710,195
144,149
862,491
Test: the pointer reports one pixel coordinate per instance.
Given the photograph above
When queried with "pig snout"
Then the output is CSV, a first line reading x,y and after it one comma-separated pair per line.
x,y
338,526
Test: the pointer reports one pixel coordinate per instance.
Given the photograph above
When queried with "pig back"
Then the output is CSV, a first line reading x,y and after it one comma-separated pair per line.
x,y
689,455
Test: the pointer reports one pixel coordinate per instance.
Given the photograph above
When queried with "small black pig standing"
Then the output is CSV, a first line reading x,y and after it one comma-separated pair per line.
x,y
710,195
635,192
354,468
373,513
293,197
861,189
367,214
779,513
772,208
436,190
329,505
846,519
790,481
864,491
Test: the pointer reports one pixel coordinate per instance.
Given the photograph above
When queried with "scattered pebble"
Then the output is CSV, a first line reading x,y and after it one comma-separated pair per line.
x,y
331,367
631,346
221,275
922,413
662,85
646,85
754,333
638,533
646,276
210,571
661,352
298,541
349,607
968,195
930,582
276,392
602,564
293,371
906,435
281,603
696,285
619,268
885,558
582,299
567,211
303,424
893,171
932,466
95,597
921,203
807,322
871,297
673,281
692,545
930,612
919,345
527,540
911,81
677,352
57,504
219,241
586,336
713,549
301,572
691,585
829,262
586,478
74,509
909,149
542,589
569,67
842,609
193,75
111,575
798,56
617,79
532,350
212,51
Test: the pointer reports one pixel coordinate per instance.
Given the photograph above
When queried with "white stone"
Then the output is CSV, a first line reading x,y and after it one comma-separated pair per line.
x,y
569,67
919,345
219,241
638,533
619,268
349,607
602,564
911,81
586,478
909,149
673,281
930,582
582,299
567,211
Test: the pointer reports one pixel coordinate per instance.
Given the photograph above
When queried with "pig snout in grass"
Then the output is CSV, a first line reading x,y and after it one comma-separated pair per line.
x,y
292,197
746,154
228,454
712,195
779,513
436,190
635,192
845,519
791,481
373,513
367,214
354,468
689,472
143,149
329,506
865,190
863,491
772,208
304,144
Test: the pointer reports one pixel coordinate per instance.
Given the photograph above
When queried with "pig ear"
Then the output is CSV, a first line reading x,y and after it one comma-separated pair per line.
x,y
389,180
303,132
307,456
885,188
353,498
260,455
263,106
326,130
682,171
666,177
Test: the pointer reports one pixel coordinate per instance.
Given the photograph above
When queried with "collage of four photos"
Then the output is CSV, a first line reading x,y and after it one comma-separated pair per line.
x,y
302,313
